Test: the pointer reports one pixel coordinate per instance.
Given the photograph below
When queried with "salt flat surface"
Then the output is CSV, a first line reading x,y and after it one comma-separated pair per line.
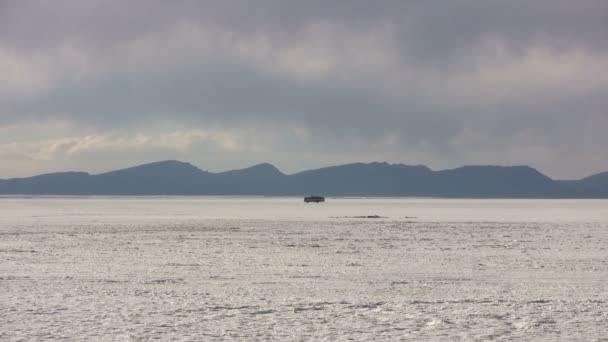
x,y
195,269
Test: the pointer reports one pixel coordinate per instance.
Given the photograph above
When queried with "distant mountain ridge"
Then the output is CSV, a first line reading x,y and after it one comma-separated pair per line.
x,y
173,177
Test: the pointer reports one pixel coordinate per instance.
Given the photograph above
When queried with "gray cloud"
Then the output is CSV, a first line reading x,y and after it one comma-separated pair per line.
x,y
435,82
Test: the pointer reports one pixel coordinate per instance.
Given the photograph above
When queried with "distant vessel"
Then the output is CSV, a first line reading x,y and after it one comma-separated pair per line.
x,y
315,199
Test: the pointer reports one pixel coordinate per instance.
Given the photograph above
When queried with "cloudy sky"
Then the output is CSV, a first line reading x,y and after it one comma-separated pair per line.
x,y
96,85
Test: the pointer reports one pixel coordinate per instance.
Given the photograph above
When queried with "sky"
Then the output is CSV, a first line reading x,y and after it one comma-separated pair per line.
x,y
97,85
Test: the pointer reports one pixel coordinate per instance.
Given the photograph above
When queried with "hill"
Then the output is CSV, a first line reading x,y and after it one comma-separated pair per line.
x,y
357,179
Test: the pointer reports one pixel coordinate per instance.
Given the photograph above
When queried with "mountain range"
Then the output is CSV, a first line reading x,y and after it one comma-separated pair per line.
x,y
358,179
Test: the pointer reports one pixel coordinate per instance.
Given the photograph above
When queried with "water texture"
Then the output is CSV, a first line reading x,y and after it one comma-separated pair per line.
x,y
191,269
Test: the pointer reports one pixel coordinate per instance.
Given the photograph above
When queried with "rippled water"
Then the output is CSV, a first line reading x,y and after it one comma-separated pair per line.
x,y
276,268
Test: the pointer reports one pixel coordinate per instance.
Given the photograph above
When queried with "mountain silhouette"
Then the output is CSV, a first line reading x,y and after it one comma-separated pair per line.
x,y
595,186
358,179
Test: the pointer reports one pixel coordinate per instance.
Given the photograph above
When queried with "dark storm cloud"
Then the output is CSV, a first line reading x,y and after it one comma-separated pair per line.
x,y
456,81
234,97
432,26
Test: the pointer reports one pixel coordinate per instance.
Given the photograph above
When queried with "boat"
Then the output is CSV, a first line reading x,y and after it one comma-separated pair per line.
x,y
315,199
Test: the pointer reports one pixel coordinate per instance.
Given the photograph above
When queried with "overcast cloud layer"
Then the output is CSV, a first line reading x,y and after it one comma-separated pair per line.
x,y
96,85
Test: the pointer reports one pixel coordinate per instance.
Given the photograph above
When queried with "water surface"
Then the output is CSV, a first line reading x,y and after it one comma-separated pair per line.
x,y
179,268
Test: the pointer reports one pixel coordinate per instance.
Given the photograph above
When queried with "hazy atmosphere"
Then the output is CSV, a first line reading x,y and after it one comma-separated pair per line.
x,y
97,85
303,170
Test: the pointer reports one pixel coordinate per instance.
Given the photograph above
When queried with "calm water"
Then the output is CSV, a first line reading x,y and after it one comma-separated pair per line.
x,y
104,268
92,209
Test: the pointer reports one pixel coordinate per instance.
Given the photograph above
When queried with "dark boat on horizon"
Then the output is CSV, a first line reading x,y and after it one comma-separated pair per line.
x,y
315,199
